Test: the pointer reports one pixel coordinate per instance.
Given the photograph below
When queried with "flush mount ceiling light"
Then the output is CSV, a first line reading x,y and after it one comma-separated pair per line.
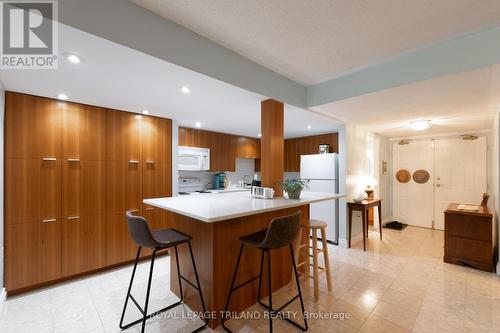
x,y
145,112
62,97
73,58
185,90
420,125
309,127
198,124
259,135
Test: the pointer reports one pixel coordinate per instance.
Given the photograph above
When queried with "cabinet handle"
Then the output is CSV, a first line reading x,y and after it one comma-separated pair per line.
x,y
133,161
49,159
150,208
73,217
150,162
73,160
48,220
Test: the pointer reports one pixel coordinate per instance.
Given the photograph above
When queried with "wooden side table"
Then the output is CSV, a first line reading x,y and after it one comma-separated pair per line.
x,y
364,206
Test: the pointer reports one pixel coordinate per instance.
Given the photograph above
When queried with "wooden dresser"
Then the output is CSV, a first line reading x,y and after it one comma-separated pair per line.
x,y
470,238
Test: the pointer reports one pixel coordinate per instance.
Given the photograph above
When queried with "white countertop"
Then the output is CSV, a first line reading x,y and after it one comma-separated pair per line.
x,y
213,207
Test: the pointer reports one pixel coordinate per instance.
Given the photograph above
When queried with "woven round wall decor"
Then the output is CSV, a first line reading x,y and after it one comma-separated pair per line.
x,y
421,176
403,176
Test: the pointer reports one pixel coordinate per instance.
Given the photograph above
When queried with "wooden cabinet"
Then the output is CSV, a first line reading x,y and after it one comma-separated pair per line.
x,y
296,147
84,132
470,238
83,244
224,148
71,173
123,136
33,127
83,188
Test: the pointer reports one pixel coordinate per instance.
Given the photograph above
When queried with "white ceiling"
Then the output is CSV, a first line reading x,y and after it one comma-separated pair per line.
x,y
118,77
313,41
455,103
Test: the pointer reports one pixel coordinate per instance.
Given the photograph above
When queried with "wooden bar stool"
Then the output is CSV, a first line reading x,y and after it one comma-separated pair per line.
x,y
312,226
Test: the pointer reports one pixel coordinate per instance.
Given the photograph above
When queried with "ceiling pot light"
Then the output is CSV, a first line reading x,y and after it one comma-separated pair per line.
x,y
73,58
62,97
309,127
198,124
145,112
259,135
185,90
420,125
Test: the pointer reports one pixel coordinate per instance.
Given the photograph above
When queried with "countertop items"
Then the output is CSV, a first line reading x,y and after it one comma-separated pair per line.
x,y
213,207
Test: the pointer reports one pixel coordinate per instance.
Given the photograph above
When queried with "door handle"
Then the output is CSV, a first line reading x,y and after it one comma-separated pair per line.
x,y
150,208
73,217
73,160
49,159
49,220
133,161
150,162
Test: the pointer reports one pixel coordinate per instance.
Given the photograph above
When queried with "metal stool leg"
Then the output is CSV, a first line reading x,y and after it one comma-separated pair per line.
x,y
270,289
205,319
226,307
146,303
178,272
130,288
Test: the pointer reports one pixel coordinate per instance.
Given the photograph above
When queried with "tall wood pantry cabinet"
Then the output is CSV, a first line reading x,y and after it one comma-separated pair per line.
x,y
71,172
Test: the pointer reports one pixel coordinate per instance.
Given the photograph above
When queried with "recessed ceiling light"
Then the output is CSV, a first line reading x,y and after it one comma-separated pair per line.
x,y
260,135
62,97
198,124
420,125
73,58
185,90
309,127
145,112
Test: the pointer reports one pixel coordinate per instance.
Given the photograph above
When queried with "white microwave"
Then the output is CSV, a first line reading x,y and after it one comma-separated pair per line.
x,y
193,158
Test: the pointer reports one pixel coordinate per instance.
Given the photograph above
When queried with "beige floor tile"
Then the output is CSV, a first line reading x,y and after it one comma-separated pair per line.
x,y
377,324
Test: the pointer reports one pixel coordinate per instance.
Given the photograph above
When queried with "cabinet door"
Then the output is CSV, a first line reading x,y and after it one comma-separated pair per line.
x,y
48,250
119,244
21,190
83,188
20,255
83,244
123,136
20,124
156,140
49,194
84,132
123,186
48,130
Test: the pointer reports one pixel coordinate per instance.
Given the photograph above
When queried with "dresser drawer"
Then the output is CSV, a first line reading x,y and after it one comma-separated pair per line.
x,y
468,249
466,226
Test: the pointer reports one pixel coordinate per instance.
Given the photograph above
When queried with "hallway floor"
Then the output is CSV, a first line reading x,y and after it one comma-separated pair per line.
x,y
399,284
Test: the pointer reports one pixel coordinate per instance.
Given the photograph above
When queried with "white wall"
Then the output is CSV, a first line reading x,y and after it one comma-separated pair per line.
x,y
364,151
494,202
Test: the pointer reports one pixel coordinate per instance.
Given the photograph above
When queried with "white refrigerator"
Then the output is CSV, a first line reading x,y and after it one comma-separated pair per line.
x,y
321,172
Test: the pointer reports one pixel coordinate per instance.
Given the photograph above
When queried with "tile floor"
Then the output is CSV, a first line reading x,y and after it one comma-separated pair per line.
x,y
399,284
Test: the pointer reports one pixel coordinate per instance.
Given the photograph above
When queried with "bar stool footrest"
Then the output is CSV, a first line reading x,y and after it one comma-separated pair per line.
x,y
273,312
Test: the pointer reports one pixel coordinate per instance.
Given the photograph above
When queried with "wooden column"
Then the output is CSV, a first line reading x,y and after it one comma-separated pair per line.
x,y
272,145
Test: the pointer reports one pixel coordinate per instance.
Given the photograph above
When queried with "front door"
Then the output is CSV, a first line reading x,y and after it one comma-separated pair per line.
x,y
460,173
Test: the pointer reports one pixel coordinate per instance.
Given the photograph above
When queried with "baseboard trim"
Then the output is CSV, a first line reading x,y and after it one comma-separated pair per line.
x,y
343,243
3,298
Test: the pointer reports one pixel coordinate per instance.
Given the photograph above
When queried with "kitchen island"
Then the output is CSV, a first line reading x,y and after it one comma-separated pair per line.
x,y
216,221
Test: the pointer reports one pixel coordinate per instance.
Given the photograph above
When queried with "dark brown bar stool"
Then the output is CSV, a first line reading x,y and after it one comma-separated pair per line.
x,y
157,240
281,232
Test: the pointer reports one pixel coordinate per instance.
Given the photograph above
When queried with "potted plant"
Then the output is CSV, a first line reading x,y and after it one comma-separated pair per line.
x,y
293,187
